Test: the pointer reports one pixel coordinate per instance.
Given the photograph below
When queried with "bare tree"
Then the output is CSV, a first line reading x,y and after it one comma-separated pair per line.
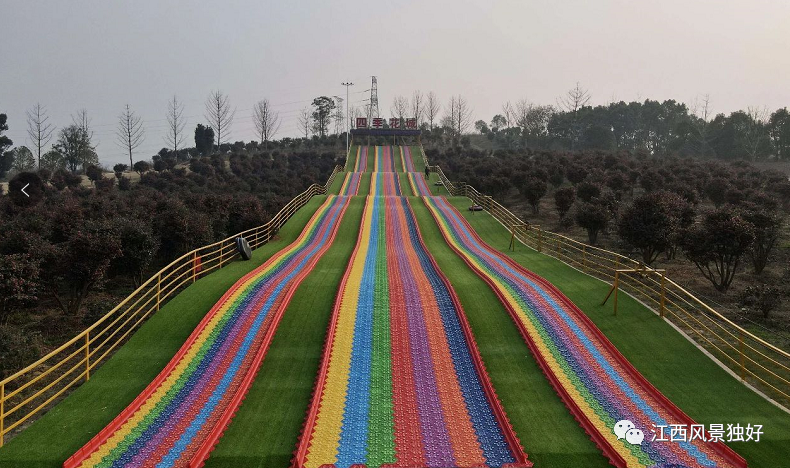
x,y
701,108
305,123
400,107
509,112
267,122
130,132
574,99
755,131
460,115
219,115
39,129
417,106
175,124
353,113
531,118
83,122
432,108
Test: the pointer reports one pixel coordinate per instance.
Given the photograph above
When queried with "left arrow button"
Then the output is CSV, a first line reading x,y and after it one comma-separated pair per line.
x,y
23,190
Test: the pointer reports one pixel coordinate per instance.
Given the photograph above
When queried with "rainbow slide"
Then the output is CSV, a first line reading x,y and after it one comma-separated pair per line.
x,y
418,184
361,164
384,161
406,159
401,382
180,416
351,183
384,184
595,381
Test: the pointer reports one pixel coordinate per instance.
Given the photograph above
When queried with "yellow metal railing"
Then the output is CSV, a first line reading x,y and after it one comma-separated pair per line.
x,y
756,361
33,389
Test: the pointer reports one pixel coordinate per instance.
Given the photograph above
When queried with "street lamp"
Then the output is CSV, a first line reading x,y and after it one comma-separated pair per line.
x,y
348,117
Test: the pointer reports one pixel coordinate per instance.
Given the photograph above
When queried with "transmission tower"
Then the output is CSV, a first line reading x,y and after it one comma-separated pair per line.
x,y
373,106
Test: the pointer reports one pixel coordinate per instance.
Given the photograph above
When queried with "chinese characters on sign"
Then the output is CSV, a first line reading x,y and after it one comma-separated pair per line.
x,y
715,433
394,122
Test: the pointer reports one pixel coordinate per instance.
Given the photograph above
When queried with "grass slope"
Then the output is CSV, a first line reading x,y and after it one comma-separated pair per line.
x,y
416,156
548,432
265,431
676,367
65,428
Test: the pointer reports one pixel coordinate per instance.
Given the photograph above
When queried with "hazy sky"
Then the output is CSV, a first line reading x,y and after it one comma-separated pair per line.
x,y
102,54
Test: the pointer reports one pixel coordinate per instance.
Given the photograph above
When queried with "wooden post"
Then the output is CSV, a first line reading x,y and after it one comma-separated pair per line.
x,y
221,252
87,356
663,293
616,287
743,357
158,290
194,265
540,239
2,412
512,245
584,263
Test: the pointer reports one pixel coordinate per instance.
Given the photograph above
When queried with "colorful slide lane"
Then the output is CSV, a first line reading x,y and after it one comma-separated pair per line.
x,y
179,417
385,184
361,164
406,159
418,184
599,386
351,183
402,383
384,161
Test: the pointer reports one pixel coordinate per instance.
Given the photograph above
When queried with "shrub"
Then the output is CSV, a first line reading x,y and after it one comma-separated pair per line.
x,y
762,298
563,200
716,245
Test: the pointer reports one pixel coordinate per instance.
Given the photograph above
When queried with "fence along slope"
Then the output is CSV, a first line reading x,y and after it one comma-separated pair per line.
x,y
35,388
758,363
179,417
599,386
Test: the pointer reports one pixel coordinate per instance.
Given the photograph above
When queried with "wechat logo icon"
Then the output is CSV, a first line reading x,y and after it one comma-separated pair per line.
x,y
625,429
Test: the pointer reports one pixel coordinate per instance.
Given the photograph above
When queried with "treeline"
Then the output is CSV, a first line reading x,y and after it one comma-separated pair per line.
x,y
68,241
72,147
717,214
653,127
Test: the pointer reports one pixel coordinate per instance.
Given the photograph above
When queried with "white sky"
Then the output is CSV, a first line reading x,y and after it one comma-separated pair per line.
x,y
102,54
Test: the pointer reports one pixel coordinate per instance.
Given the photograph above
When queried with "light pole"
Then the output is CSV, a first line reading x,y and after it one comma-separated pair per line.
x,y
348,117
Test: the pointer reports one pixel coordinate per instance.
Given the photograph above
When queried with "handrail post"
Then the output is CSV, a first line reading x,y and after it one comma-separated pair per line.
x,y
512,245
194,265
540,239
158,290
87,356
221,252
584,262
743,357
616,287
663,293
2,413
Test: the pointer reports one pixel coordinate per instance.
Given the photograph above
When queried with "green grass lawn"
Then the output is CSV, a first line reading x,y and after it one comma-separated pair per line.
x,y
364,184
64,429
416,156
265,431
337,183
670,362
351,158
548,432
